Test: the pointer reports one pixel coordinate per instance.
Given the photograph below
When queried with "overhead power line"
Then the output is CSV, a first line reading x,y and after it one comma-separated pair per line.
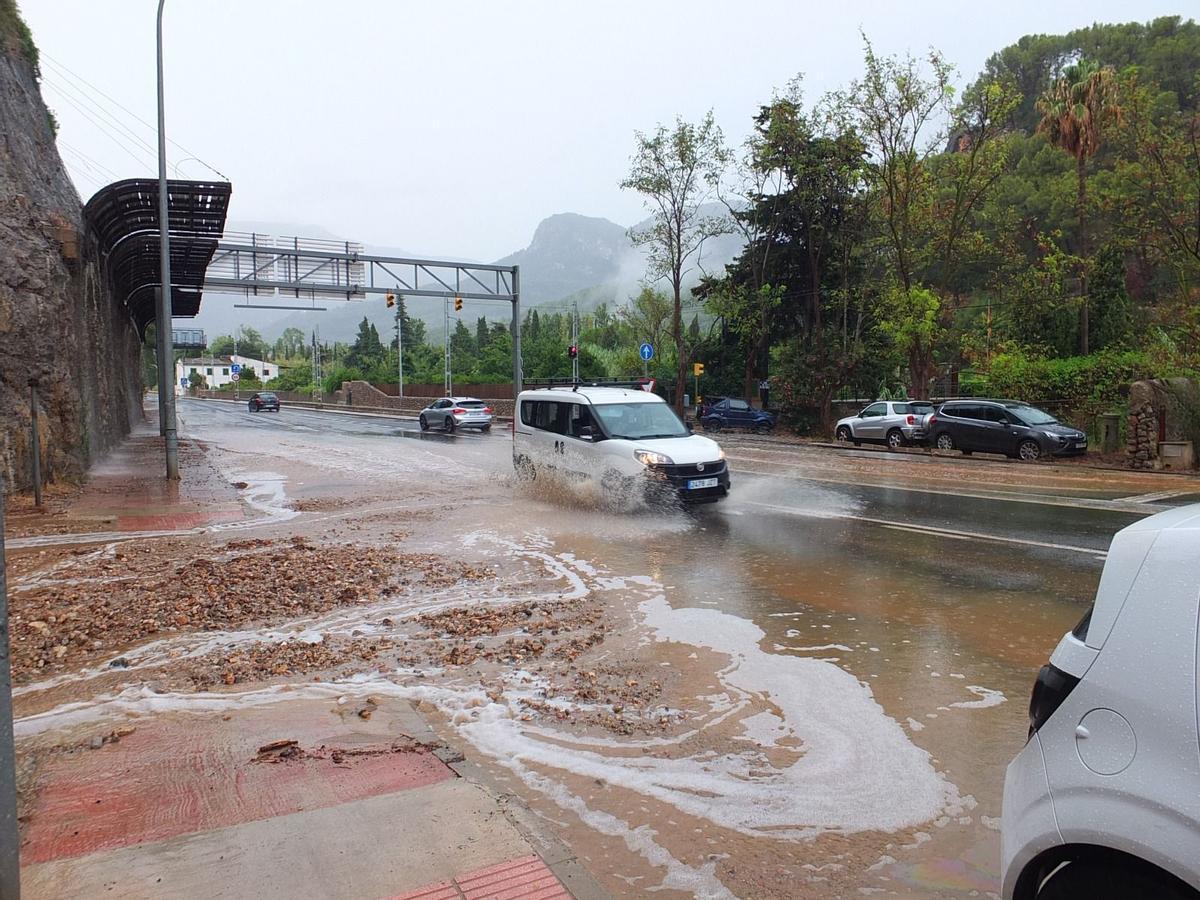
x,y
66,72
108,132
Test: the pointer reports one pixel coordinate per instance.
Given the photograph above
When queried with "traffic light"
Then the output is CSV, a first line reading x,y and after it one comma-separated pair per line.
x,y
458,304
391,299
697,369
573,351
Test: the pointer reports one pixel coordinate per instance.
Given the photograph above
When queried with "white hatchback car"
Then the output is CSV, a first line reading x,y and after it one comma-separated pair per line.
x,y
1104,800
628,441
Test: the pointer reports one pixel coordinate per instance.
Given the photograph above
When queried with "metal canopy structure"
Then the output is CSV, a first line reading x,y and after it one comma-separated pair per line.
x,y
299,268
124,217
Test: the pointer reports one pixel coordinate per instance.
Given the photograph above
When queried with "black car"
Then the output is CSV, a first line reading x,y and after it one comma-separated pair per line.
x,y
264,400
1015,429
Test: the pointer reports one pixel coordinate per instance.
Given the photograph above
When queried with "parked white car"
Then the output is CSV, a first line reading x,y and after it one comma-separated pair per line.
x,y
896,423
1104,800
628,441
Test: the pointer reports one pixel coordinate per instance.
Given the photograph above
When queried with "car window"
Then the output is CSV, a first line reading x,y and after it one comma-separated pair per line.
x,y
738,405
875,409
471,404
1031,415
580,418
551,415
994,414
959,411
639,421
920,409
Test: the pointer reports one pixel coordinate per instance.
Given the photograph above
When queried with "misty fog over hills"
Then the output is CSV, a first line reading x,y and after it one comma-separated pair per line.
x,y
569,257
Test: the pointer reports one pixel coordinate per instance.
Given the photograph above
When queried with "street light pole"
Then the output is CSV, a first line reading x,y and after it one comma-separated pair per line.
x,y
10,863
166,350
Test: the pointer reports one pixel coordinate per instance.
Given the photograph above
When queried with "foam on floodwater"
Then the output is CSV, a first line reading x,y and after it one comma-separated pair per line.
x,y
815,753
987,697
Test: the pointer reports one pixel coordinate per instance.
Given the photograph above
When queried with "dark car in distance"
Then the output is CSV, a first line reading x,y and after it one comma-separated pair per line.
x,y
1017,430
264,400
730,412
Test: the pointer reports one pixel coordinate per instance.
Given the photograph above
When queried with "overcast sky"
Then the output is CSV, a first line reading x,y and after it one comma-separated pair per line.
x,y
454,128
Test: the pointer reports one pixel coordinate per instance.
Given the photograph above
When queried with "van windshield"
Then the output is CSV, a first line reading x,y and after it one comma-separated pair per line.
x,y
639,421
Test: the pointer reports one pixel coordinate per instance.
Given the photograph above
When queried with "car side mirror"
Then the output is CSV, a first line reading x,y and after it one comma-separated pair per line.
x,y
587,433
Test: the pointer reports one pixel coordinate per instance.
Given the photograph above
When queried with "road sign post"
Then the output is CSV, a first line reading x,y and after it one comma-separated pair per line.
x,y
646,352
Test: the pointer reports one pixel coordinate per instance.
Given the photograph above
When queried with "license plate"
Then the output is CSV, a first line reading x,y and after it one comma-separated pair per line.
x,y
697,483
1081,443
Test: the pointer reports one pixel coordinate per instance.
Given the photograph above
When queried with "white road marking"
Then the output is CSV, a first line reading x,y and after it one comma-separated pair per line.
x,y
1119,505
1162,495
953,534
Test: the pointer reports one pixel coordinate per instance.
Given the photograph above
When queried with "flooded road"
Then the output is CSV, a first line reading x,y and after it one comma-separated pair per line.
x,y
839,656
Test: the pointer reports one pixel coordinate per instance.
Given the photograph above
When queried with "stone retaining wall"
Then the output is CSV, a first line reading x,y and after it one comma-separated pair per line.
x,y
58,321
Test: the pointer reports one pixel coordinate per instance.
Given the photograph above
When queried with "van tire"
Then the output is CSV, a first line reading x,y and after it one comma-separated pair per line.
x,y
526,471
614,490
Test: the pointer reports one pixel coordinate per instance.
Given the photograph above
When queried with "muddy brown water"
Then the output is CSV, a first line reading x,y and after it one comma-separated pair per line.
x,y
900,661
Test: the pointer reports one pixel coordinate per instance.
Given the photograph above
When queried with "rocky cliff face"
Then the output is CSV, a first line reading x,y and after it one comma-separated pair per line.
x,y
58,321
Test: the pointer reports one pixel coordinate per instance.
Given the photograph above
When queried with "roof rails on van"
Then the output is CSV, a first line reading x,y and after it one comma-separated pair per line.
x,y
576,383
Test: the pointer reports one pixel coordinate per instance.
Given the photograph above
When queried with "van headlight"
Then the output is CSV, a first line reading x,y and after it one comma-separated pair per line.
x,y
650,458
720,454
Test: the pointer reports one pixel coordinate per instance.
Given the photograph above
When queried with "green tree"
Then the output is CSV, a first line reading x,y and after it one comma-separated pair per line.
x,y
367,351
1109,299
1076,113
648,317
934,167
292,344
677,170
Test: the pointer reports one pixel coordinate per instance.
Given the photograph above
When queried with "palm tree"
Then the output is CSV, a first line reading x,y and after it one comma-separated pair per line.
x,y
1076,111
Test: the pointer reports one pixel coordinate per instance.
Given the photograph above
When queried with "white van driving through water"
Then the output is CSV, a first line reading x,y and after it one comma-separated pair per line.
x,y
627,441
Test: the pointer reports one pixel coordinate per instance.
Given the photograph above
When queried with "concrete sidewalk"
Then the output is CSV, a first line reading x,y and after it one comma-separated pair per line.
x,y
194,806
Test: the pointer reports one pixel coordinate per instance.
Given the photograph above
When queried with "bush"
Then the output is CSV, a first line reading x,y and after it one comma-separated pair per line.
x,y
1079,386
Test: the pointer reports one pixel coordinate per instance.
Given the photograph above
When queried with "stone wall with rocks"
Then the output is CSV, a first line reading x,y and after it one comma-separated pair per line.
x,y
58,320
1166,407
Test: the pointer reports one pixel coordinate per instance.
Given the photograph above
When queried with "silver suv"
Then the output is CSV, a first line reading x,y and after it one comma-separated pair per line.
x,y
896,423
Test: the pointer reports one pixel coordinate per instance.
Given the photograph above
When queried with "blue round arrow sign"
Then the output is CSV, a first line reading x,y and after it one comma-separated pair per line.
x,y
646,351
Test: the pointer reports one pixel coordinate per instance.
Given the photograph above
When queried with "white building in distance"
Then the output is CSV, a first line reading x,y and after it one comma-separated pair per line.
x,y
218,370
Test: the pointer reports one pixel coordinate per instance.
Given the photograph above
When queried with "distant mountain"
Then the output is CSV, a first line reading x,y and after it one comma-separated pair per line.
x,y
570,258
570,252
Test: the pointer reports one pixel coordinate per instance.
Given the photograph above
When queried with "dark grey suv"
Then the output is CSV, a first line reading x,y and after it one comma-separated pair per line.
x,y
1015,429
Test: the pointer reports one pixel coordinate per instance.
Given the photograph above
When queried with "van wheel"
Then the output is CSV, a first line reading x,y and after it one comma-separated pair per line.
x,y
525,470
944,441
1029,451
895,439
614,490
